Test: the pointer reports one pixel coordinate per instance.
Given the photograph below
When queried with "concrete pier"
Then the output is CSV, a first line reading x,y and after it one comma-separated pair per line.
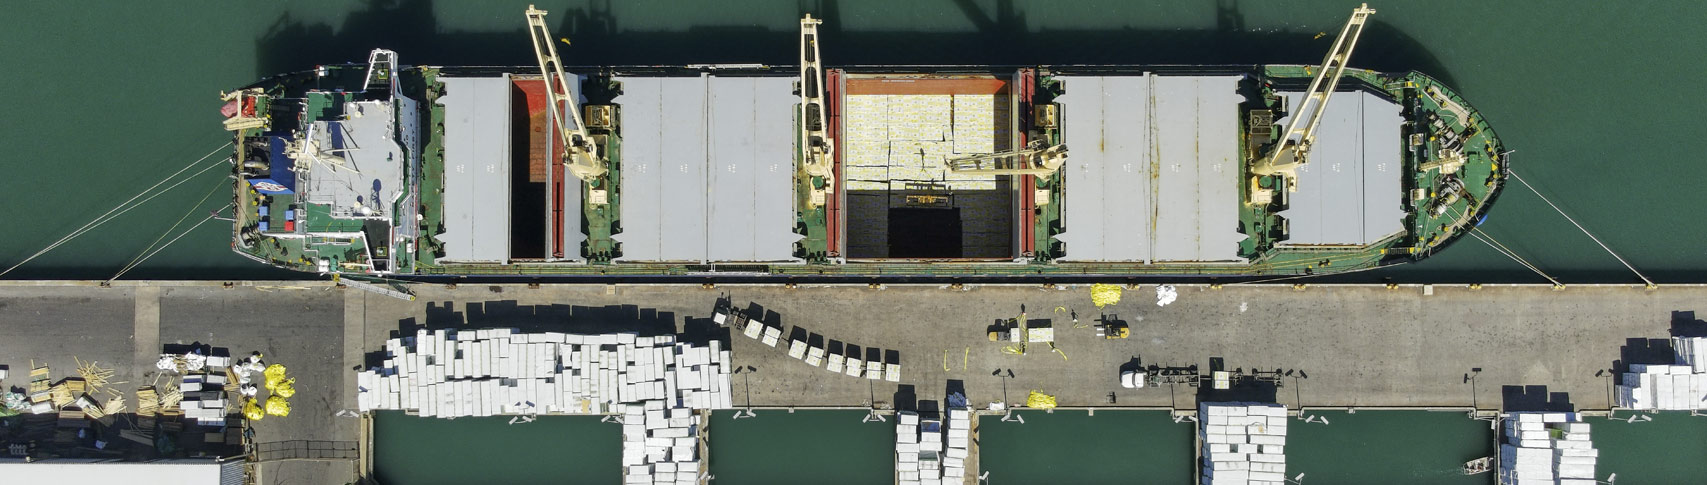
x,y
1360,346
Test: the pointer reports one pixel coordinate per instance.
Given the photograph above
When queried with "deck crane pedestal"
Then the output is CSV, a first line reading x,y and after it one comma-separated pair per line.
x,y
817,150
1293,148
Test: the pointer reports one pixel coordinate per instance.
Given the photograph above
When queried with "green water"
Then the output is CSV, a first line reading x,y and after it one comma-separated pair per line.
x,y
555,449
1670,449
1076,447
1598,99
779,447
1390,447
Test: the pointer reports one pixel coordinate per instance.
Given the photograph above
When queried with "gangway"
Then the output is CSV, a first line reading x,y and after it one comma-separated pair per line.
x,y
1293,148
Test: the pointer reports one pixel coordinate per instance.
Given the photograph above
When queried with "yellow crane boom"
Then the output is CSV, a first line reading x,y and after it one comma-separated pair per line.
x,y
817,150
1294,146
582,157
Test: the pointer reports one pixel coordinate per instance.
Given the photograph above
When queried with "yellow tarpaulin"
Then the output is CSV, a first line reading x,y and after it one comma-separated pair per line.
x,y
1105,294
251,411
286,388
275,374
1038,400
278,406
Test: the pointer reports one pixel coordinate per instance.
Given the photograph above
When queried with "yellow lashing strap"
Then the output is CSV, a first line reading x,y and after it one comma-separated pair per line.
x,y
1053,348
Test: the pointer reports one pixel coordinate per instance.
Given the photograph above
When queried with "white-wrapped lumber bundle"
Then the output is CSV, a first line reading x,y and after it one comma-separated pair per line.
x,y
490,372
1546,448
1679,386
1243,443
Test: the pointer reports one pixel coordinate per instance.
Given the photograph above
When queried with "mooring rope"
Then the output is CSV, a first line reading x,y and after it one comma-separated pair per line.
x,y
124,207
1579,227
146,250
1488,239
181,235
1501,248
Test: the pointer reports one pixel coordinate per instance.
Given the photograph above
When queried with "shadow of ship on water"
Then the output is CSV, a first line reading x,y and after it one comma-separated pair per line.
x,y
1001,38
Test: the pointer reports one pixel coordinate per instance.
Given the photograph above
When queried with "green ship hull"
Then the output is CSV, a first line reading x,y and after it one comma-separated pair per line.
x,y
1420,168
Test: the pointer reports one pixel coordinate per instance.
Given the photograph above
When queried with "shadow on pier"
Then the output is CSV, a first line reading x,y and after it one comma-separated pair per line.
x,y
579,319
1534,398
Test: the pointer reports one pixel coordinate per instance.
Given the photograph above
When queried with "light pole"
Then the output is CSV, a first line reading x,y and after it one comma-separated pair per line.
x,y
1471,379
747,385
1297,392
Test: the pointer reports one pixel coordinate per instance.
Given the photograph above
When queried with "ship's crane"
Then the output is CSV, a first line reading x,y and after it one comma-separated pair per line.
x,y
1294,146
817,150
582,159
1036,159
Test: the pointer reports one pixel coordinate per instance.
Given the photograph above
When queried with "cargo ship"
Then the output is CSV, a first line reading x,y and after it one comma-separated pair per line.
x,y
383,170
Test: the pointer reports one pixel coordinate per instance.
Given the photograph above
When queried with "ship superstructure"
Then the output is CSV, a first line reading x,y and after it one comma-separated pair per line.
x,y
380,169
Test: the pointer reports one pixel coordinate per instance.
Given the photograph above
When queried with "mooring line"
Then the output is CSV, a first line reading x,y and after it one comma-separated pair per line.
x,y
146,250
1579,227
123,207
1501,248
162,248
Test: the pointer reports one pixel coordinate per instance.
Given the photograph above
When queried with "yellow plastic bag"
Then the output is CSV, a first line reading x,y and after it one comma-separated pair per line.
x,y
278,406
1105,294
1038,400
275,374
287,388
251,411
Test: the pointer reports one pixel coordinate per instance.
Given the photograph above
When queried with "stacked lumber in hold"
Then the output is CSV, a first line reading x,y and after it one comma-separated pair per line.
x,y
1547,448
1680,386
1243,443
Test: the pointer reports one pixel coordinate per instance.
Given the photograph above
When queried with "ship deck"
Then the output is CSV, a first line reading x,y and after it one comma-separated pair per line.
x,y
1153,186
